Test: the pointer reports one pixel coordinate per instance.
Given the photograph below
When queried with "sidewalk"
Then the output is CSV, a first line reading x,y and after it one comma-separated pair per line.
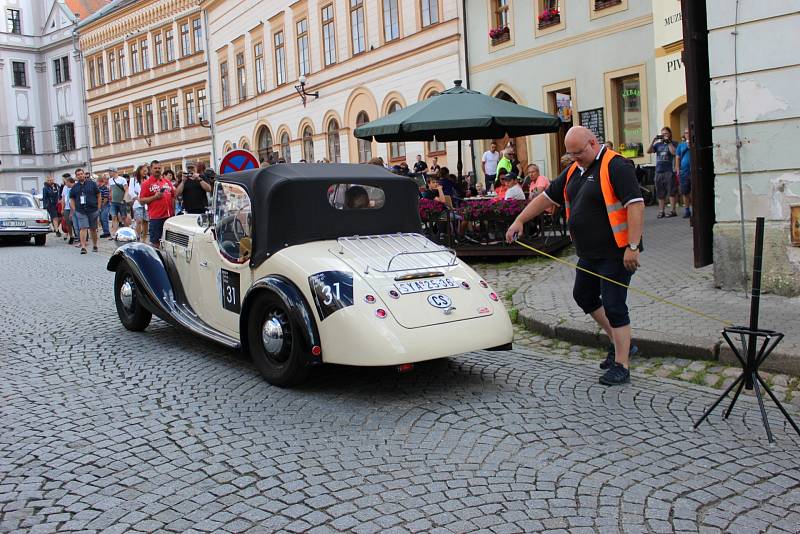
x,y
544,303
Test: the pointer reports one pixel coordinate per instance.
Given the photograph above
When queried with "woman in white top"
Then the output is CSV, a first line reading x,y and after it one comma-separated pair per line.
x,y
139,209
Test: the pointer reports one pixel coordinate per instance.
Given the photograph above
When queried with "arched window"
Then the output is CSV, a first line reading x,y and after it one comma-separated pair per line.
x,y
436,147
308,144
397,150
286,150
246,146
364,146
264,144
334,150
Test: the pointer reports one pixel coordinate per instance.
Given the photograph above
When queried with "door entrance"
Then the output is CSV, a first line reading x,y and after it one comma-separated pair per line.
x,y
520,144
559,103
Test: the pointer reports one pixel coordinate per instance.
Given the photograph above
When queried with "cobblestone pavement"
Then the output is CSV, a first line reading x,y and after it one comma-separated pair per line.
x,y
544,299
107,430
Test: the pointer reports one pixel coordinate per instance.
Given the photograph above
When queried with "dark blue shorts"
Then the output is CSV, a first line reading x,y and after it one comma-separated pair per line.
x,y
591,292
686,185
155,230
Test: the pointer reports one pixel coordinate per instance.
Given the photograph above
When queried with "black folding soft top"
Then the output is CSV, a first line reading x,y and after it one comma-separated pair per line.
x,y
290,204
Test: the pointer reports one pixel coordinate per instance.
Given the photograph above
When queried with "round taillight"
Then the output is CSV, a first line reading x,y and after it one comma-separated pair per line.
x,y
369,299
465,285
380,313
484,284
316,350
493,296
394,294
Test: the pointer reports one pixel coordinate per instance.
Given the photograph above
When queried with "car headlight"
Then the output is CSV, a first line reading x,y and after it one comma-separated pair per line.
x,y
126,234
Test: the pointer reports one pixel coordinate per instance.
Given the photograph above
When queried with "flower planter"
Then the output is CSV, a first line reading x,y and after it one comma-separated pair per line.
x,y
501,39
602,4
553,21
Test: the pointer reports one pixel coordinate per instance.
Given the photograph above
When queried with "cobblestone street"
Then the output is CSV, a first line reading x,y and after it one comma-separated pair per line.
x,y
105,430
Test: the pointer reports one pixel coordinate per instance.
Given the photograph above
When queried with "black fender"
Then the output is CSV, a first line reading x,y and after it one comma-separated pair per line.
x,y
161,289
295,302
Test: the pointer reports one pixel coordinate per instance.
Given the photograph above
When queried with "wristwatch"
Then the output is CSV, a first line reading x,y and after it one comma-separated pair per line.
x,y
633,246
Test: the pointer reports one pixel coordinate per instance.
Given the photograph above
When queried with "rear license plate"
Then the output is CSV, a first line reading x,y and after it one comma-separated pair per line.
x,y
12,223
418,286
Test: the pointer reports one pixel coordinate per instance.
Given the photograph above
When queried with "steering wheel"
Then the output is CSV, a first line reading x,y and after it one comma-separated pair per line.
x,y
238,228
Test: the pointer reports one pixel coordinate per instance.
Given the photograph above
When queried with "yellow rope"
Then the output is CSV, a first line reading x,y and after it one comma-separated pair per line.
x,y
641,292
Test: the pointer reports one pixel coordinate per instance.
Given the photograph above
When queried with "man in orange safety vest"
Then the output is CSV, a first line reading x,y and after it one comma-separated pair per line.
x,y
605,216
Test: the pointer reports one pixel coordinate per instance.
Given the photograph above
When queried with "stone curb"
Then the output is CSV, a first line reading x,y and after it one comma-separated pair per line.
x,y
651,343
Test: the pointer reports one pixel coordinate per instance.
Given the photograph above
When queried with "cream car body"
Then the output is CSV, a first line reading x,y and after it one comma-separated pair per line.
x,y
376,299
22,218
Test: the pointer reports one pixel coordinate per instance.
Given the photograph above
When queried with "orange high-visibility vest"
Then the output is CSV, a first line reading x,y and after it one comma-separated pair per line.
x,y
617,214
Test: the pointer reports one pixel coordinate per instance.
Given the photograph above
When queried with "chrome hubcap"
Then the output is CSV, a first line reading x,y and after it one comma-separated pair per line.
x,y
126,294
272,335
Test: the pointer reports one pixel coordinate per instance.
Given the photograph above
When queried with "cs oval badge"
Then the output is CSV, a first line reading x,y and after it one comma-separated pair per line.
x,y
437,300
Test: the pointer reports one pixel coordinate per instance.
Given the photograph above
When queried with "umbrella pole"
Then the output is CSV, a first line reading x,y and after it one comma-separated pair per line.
x,y
459,165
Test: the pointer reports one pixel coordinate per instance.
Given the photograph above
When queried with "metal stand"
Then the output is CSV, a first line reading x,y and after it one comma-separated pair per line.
x,y
748,338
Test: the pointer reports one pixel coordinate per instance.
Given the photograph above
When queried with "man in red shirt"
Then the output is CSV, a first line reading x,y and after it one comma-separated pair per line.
x,y
159,195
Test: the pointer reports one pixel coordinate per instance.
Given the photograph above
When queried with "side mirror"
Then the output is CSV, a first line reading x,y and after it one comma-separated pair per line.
x,y
205,220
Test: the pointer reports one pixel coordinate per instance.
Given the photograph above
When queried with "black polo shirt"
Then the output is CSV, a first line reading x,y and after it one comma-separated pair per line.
x,y
588,221
194,197
90,191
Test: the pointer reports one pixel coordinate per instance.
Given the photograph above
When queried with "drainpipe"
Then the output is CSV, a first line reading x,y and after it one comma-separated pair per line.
x,y
77,51
210,91
466,79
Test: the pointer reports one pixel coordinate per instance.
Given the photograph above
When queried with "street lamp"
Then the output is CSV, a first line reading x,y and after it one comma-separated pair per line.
x,y
301,90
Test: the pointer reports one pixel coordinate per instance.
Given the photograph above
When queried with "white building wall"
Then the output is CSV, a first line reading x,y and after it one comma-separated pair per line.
x,y
761,64
47,33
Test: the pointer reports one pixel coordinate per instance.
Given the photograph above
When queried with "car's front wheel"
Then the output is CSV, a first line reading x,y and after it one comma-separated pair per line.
x,y
40,239
274,342
132,314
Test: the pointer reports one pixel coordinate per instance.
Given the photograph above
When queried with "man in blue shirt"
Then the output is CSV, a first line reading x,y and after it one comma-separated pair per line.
x,y
683,162
84,199
664,148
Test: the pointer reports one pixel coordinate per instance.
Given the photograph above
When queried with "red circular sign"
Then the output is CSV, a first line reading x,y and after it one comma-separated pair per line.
x,y
237,160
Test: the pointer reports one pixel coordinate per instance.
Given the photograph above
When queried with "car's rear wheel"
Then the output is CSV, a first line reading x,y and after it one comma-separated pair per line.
x,y
40,239
274,342
132,314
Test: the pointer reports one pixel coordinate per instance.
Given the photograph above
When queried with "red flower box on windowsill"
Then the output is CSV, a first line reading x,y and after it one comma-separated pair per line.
x,y
499,35
549,17
602,4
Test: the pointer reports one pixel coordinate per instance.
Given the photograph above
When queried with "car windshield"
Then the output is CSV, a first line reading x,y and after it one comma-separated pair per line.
x,y
16,200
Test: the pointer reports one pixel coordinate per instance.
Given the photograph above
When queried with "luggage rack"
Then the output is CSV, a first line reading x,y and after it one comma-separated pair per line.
x,y
392,253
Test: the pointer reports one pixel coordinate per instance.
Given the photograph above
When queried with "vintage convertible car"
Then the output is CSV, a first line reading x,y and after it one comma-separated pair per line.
x,y
311,263
21,218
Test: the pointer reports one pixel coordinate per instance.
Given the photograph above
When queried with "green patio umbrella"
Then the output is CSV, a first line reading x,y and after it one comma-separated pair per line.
x,y
458,114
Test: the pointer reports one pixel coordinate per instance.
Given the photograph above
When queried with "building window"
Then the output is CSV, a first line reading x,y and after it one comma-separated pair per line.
x,y
13,21
148,116
190,109
197,33
223,80
112,66
280,59
501,13
121,62
364,146
264,141
286,149
144,44
61,66
186,43
96,127
170,41
357,26
159,49
126,123
328,36
391,20
139,118
135,65
20,78
92,81
629,116
174,112
334,149
435,146
25,137
117,127
258,52
548,13
201,104
163,116
308,144
430,12
397,150
241,77
106,137
65,137
101,71
304,65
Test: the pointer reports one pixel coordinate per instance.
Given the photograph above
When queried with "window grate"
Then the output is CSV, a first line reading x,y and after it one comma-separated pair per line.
x,y
178,239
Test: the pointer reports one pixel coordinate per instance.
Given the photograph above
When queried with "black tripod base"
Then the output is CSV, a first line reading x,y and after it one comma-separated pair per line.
x,y
750,377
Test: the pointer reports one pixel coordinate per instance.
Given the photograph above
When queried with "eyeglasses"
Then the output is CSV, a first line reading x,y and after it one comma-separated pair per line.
x,y
579,152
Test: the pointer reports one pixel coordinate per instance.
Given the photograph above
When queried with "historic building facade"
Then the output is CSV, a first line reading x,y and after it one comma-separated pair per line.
x,y
146,77
42,110
365,58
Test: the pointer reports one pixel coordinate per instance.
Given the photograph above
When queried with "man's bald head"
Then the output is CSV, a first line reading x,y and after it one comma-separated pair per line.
x,y
581,145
